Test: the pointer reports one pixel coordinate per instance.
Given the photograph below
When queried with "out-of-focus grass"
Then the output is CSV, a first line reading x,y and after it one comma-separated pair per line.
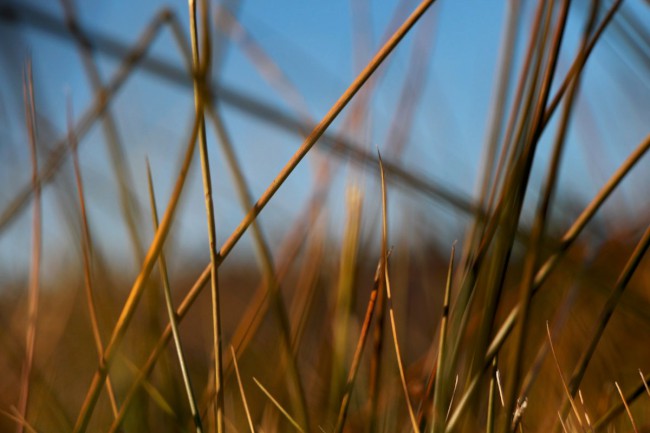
x,y
353,328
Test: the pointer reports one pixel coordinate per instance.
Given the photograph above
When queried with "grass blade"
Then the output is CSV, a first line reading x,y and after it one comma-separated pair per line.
x,y
356,360
436,416
627,408
34,276
279,406
201,70
162,265
564,384
391,314
87,258
241,390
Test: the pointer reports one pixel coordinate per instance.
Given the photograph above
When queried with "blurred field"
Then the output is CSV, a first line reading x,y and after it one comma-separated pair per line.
x,y
503,287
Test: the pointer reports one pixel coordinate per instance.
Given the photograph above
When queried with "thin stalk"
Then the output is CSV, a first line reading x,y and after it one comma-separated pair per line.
x,y
627,408
87,258
322,126
437,422
376,361
201,72
518,169
645,382
241,390
564,384
265,258
164,276
199,86
361,343
391,313
492,393
279,406
34,276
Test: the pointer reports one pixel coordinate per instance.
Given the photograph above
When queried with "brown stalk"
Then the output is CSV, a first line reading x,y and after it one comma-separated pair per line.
x,y
201,69
627,408
87,260
241,390
436,380
361,343
564,384
391,313
34,276
173,321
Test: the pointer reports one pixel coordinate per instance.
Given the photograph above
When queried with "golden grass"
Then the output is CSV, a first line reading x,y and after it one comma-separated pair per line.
x,y
469,353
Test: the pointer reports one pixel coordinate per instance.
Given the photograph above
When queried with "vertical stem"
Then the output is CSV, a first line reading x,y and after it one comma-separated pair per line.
x,y
173,320
34,283
199,87
438,409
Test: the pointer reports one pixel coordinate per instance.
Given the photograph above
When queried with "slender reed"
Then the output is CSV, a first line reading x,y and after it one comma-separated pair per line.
x,y
34,276
389,299
356,359
200,72
277,404
627,408
436,416
87,259
173,322
241,390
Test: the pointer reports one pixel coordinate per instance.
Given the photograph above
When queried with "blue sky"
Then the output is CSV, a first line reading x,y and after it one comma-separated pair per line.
x,y
313,44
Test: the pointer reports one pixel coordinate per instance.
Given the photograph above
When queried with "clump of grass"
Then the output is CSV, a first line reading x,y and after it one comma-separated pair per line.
x,y
310,351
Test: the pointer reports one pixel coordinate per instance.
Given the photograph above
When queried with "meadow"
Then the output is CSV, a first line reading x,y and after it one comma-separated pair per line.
x,y
167,265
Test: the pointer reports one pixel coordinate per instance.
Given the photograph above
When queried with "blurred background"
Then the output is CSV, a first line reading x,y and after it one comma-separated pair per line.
x,y
277,68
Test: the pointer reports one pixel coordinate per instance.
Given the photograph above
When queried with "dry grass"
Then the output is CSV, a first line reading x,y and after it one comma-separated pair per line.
x,y
326,333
